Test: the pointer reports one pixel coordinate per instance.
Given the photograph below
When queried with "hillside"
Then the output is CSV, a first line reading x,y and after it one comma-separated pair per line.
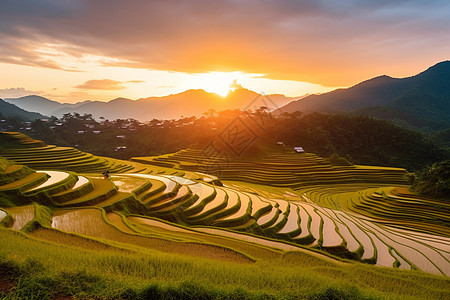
x,y
39,104
150,232
362,140
145,109
10,110
421,101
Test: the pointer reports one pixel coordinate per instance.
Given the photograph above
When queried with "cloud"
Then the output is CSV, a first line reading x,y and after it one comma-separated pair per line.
x,y
16,93
135,81
101,84
327,42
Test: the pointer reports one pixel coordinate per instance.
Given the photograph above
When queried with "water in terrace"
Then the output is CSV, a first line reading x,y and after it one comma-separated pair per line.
x,y
330,237
207,177
438,242
352,243
184,190
403,264
315,221
2,214
303,222
116,220
233,200
425,258
82,221
365,240
170,184
384,257
127,184
22,215
219,199
180,180
55,177
292,222
202,191
280,218
267,217
282,204
80,182
257,202
245,202
422,255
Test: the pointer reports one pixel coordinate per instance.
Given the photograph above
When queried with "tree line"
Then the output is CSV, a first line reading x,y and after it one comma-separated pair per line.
x,y
359,139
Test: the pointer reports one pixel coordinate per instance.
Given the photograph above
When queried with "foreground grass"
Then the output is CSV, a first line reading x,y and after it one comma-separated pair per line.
x,y
35,269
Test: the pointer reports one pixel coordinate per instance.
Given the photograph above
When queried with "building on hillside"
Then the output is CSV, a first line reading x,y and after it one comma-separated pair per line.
x,y
299,149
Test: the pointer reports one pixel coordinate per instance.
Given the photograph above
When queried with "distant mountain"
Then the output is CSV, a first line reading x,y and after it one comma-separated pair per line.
x,y
10,110
421,101
188,103
40,104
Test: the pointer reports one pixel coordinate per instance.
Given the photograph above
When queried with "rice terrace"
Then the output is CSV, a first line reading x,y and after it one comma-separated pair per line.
x,y
322,228
224,150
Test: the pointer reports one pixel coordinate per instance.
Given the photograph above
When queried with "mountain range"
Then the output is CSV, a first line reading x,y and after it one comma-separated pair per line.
x,y
188,103
420,102
10,110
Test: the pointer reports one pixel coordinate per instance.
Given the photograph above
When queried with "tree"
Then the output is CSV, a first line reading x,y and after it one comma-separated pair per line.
x,y
434,181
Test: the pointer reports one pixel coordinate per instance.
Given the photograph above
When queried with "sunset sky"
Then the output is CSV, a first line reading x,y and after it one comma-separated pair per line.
x,y
74,50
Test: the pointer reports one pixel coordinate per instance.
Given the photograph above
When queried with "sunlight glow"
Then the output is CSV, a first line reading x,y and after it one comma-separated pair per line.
x,y
215,82
54,60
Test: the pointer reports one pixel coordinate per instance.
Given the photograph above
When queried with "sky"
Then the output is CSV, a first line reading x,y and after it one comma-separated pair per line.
x,y
75,50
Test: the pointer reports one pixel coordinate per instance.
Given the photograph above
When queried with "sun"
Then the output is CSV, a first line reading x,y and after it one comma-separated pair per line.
x,y
217,84
214,82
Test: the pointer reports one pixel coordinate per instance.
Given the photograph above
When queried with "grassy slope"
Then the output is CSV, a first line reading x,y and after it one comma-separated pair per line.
x,y
48,270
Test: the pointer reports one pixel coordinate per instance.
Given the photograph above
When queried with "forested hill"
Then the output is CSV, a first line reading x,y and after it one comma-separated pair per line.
x,y
10,110
420,102
362,140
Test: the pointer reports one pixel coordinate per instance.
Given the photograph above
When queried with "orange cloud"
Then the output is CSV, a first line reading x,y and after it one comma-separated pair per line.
x,y
333,43
135,81
101,84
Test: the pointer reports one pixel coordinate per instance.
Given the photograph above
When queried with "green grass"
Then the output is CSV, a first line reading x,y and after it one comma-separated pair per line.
x,y
42,270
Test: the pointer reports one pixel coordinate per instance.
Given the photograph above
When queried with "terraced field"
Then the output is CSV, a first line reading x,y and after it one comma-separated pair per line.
x,y
350,211
276,204
37,155
290,170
